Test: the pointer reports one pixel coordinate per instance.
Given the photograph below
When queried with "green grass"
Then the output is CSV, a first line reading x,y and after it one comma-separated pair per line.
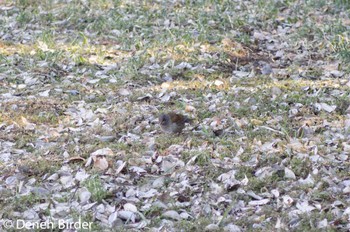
x,y
96,188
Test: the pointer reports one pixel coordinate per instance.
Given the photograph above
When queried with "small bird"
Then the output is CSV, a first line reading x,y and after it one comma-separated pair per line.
x,y
173,123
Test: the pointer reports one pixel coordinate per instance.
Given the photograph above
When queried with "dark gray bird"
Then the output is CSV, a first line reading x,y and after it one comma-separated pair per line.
x,y
173,123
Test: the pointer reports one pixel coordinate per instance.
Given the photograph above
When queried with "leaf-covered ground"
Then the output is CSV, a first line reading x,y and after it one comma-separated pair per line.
x,y
266,82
